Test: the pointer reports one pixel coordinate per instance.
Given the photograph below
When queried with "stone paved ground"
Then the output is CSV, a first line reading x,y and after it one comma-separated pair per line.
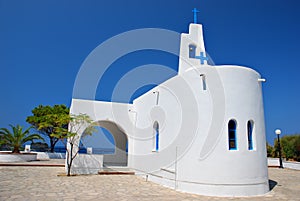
x,y
42,183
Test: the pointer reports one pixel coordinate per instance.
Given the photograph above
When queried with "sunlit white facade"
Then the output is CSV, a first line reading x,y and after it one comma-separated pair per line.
x,y
202,131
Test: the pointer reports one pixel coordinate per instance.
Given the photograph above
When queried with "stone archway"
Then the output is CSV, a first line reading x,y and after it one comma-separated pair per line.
x,y
119,157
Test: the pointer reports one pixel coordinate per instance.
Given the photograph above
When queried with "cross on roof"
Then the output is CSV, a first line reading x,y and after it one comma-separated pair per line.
x,y
195,11
202,57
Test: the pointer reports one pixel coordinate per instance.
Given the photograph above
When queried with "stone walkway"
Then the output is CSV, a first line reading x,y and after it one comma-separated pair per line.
x,y
42,183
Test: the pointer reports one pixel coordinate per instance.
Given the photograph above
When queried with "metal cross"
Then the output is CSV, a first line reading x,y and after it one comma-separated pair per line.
x,y
202,57
195,11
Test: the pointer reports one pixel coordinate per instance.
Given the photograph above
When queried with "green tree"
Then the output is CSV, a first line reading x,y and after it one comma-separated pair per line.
x,y
17,137
287,147
78,124
297,148
270,150
276,149
290,147
49,120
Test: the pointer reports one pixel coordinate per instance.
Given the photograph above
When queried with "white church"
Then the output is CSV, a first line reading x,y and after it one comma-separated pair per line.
x,y
202,131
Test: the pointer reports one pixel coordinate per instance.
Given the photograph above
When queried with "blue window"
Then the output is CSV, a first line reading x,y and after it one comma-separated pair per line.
x,y
192,51
157,138
232,135
156,135
250,136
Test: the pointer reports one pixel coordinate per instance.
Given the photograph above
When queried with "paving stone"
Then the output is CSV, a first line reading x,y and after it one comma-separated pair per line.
x,y
42,183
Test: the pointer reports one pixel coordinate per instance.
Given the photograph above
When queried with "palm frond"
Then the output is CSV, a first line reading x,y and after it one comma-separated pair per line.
x,y
17,137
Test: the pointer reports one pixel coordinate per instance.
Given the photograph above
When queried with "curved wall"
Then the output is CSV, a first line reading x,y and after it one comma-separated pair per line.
x,y
205,164
225,172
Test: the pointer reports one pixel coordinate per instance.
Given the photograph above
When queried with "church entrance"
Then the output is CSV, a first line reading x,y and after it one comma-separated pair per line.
x,y
110,141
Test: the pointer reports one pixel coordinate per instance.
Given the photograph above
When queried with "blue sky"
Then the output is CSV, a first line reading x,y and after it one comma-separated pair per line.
x,y
43,44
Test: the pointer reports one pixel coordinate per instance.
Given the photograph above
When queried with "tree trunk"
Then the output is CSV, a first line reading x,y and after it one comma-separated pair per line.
x,y
16,150
69,170
70,159
53,141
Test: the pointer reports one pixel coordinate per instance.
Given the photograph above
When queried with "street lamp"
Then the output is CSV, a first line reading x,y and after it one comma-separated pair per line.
x,y
278,132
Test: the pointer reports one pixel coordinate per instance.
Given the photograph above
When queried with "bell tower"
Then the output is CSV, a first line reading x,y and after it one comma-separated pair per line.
x,y
192,50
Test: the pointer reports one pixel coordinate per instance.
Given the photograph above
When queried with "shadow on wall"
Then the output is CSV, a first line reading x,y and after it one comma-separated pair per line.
x,y
272,184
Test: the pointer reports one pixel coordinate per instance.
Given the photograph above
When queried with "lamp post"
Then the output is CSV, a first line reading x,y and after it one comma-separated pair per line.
x,y
278,132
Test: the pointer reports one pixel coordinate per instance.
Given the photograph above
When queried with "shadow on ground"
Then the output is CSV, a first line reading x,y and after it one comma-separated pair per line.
x,y
272,184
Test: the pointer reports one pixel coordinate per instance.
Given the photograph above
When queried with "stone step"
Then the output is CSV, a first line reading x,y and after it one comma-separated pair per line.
x,y
116,171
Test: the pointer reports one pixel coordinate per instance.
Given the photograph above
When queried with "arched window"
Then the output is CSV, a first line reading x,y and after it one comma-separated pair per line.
x,y
250,136
232,135
192,51
156,136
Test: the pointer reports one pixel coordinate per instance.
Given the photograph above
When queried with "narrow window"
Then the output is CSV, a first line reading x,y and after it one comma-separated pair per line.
x,y
250,136
156,136
203,81
192,51
232,135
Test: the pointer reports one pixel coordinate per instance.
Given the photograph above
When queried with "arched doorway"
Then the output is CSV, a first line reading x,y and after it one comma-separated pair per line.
x,y
113,148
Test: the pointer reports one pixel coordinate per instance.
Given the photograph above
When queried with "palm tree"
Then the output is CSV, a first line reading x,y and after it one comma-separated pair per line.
x,y
17,137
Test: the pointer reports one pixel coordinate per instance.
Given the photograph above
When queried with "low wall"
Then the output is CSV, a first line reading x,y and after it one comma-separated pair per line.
x,y
286,164
118,159
8,157
47,156
87,164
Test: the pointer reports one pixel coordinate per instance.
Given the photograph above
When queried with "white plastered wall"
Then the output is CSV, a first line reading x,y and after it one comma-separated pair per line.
x,y
220,171
193,153
116,118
